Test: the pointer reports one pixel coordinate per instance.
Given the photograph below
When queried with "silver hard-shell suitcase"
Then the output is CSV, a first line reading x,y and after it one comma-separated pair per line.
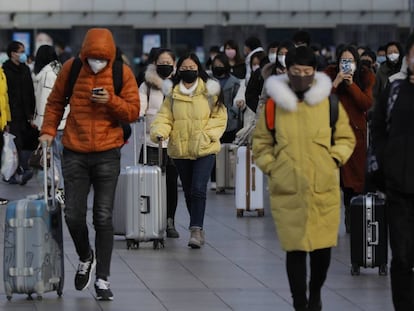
x,y
141,199
226,167
33,243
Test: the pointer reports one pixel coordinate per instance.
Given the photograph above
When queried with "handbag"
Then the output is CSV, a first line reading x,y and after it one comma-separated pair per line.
x,y
36,158
9,157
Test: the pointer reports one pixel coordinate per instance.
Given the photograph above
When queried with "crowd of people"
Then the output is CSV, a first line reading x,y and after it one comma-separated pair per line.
x,y
194,107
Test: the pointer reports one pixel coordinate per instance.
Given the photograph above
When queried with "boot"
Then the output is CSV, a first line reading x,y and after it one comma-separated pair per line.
x,y
171,232
195,238
315,302
347,219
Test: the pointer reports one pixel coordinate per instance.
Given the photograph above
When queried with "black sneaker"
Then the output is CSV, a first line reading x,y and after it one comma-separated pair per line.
x,y
26,176
84,273
103,292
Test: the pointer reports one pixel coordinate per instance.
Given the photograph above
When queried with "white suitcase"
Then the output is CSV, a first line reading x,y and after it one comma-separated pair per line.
x,y
249,183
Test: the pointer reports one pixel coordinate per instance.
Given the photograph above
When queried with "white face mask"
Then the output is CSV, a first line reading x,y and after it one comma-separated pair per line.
x,y
282,60
97,64
255,67
272,57
393,57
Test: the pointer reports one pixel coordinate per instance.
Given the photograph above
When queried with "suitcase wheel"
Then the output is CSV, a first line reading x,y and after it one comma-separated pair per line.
x,y
239,213
132,244
39,297
9,298
355,270
29,297
158,244
220,191
260,212
383,270
59,293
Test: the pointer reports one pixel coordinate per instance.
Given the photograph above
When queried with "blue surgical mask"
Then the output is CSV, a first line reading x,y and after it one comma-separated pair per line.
x,y
22,58
381,59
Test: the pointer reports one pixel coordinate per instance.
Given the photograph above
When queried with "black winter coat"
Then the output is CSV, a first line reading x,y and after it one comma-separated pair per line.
x,y
393,139
21,92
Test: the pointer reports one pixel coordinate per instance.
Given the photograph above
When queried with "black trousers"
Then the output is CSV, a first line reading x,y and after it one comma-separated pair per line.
x,y
81,171
400,217
296,271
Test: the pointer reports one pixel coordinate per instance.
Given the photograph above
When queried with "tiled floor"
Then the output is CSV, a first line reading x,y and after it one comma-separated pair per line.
x,y
241,268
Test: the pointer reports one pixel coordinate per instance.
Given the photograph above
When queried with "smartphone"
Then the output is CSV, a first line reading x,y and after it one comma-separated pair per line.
x,y
346,65
97,90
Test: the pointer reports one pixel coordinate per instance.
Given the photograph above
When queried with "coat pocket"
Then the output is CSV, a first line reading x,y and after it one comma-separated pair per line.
x,y
283,176
326,172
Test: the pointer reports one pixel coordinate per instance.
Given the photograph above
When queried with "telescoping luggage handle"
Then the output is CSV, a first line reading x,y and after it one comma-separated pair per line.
x,y
144,144
46,150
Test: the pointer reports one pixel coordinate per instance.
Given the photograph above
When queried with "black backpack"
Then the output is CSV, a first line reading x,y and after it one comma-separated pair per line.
x,y
117,74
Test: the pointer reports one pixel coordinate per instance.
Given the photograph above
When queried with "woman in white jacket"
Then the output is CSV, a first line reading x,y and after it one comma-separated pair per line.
x,y
151,98
46,70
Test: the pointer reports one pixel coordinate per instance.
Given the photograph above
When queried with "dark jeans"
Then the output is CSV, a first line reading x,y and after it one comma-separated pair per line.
x,y
80,171
170,174
296,271
194,175
400,217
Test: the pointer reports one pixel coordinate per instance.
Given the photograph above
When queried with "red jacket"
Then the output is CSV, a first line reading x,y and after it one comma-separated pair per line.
x,y
92,127
356,103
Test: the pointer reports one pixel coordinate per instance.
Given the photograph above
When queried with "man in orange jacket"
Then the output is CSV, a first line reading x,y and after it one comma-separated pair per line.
x,y
92,139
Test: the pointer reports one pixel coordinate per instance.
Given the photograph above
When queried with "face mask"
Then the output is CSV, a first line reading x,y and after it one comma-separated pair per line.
x,y
255,67
164,71
22,58
272,57
97,64
393,57
300,83
188,76
381,59
366,63
219,71
230,53
282,60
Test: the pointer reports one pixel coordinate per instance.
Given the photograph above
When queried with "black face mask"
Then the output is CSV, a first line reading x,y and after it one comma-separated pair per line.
x,y
219,72
164,71
366,63
188,76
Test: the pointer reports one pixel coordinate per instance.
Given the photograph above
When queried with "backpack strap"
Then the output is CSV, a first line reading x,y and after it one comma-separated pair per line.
x,y
333,115
117,75
73,76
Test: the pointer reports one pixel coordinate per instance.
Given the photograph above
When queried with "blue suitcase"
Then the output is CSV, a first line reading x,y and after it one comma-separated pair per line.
x,y
33,246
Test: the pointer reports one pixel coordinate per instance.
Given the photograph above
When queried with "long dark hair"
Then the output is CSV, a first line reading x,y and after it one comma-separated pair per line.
x,y
44,56
233,44
360,70
201,72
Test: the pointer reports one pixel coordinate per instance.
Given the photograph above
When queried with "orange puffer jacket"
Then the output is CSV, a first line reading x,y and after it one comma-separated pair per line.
x,y
92,127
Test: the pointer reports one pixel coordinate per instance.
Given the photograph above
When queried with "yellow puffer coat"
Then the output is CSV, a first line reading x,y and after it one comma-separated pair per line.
x,y
192,122
303,166
4,101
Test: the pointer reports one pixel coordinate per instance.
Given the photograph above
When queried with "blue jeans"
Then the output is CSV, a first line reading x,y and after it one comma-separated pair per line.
x,y
194,175
400,217
101,170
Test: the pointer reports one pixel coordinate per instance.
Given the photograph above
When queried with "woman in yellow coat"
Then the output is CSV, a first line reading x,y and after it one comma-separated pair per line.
x,y
194,119
303,169
5,116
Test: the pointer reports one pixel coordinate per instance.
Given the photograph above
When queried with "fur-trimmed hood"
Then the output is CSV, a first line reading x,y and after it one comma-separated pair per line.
x,y
212,87
277,87
152,78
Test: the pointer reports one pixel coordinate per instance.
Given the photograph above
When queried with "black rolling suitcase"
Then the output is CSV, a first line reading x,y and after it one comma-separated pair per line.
x,y
369,234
